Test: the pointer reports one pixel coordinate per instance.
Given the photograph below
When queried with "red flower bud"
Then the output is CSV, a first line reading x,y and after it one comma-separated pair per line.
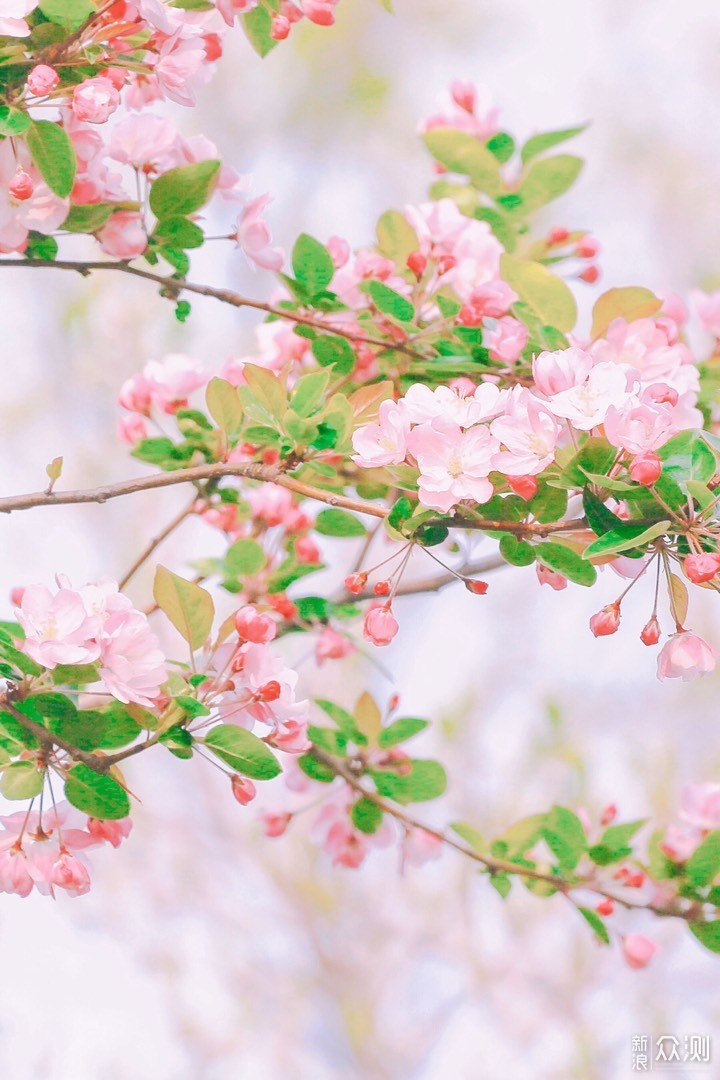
x,y
645,468
524,486
445,263
605,907
417,263
474,585
355,583
650,633
606,621
558,235
382,588
243,789
590,274
271,691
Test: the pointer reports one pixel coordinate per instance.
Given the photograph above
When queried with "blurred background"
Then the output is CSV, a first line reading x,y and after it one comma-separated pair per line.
x,y
205,951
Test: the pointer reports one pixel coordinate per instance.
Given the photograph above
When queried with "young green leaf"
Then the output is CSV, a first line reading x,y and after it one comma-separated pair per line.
x,y
96,794
338,523
312,264
54,155
184,189
188,606
243,752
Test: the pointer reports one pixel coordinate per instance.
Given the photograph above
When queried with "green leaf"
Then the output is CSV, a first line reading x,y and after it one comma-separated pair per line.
x,y
366,816
470,835
550,503
614,844
245,558
338,523
708,934
396,237
178,741
502,146
565,836
309,392
600,519
188,606
516,552
70,14
243,752
13,121
628,303
258,28
567,562
594,457
538,144
179,232
224,405
332,349
390,302
426,780
344,721
625,538
54,155
544,292
184,190
466,155
703,865
21,780
95,794
548,179
400,731
315,769
265,389
312,264
40,246
595,923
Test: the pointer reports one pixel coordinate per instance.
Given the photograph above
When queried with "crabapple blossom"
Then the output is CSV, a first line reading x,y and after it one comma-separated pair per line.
x,y
700,805
253,236
42,80
454,464
564,369
645,469
506,340
380,625
95,100
385,442
586,404
684,656
638,950
606,621
701,568
124,235
528,431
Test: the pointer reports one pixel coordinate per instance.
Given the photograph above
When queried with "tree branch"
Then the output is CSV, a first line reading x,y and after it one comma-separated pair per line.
x,y
175,286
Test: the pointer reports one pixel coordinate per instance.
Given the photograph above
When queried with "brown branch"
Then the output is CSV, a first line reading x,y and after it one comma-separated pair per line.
x,y
251,470
175,286
491,864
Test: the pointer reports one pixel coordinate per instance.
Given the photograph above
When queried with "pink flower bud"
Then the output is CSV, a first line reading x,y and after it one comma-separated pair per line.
x,y
271,691
355,583
42,80
321,12
463,94
380,626
16,595
113,832
416,263
21,186
606,621
587,248
609,814
605,907
700,568
280,27
95,100
250,625
645,468
558,235
650,633
123,236
275,824
382,588
685,655
550,577
306,550
590,274
474,585
638,950
243,789
524,486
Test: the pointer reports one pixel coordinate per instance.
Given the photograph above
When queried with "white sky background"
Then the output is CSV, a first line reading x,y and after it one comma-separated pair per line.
x,y
205,952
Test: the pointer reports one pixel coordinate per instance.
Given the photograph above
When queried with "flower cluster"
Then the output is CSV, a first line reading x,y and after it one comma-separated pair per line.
x,y
93,625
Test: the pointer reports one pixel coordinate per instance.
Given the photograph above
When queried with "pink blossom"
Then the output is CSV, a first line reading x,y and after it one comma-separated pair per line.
x,y
181,68
275,823
703,567
70,873
243,789
546,576
638,950
148,142
462,404
168,382
606,621
380,625
506,340
261,687
132,429
644,346
385,442
42,80
95,100
564,369
586,405
113,832
700,805
420,846
132,666
40,210
707,306
454,464
529,432
42,852
645,469
639,427
482,119
58,629
292,737
123,236
321,12
679,843
271,504
489,301
685,655
332,646
252,626
254,237
12,19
